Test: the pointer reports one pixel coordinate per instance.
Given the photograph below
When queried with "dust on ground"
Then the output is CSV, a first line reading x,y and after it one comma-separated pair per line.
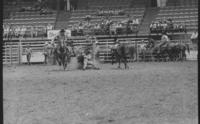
x,y
147,93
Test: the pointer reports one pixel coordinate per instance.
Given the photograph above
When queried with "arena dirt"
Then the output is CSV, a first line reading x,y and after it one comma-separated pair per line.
x,y
147,93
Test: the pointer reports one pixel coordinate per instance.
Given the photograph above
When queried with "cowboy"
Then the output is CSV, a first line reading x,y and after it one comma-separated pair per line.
x,y
194,37
61,40
46,52
88,60
164,40
116,45
95,49
28,52
70,47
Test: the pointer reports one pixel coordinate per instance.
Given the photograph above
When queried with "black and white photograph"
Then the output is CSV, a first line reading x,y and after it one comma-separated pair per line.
x,y
100,61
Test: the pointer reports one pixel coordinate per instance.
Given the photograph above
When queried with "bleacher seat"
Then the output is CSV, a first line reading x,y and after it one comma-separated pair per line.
x,y
180,14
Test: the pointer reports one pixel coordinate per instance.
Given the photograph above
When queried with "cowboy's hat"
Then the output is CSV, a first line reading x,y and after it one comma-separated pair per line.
x,y
62,30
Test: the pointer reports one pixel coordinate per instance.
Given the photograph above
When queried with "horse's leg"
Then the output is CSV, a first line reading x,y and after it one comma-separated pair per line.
x,y
28,59
119,61
58,59
113,57
135,57
144,55
45,59
125,63
64,62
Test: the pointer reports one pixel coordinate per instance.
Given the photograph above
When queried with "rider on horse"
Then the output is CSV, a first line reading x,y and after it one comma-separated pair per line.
x,y
164,41
61,41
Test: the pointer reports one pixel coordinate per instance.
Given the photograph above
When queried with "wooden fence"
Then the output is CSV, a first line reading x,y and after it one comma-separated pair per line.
x,y
13,51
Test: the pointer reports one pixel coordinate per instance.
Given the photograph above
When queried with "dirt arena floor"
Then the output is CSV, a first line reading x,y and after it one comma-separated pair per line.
x,y
147,93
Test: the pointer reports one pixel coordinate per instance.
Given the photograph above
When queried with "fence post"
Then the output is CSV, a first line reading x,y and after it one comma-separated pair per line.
x,y
107,51
136,46
6,52
10,54
19,55
180,56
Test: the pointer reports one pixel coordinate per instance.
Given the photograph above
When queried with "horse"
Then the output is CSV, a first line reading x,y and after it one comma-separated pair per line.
x,y
62,55
177,51
172,51
121,53
154,51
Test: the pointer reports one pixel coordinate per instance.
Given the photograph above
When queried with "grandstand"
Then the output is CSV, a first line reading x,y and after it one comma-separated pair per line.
x,y
35,22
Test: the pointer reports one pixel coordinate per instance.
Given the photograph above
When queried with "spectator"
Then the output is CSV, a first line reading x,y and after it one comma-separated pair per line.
x,y
165,26
155,26
6,30
17,30
137,21
45,52
28,52
23,30
151,26
49,27
194,37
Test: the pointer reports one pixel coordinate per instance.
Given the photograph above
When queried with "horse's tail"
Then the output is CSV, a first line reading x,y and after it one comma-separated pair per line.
x,y
187,48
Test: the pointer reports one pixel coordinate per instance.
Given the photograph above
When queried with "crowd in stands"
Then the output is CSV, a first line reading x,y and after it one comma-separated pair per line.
x,y
110,12
26,31
10,2
166,25
40,6
105,26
